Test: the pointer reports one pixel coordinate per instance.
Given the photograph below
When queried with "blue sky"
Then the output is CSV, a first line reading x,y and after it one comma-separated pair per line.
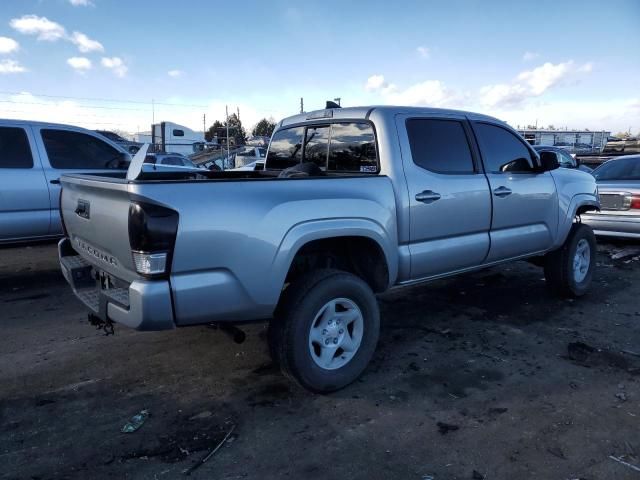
x,y
574,64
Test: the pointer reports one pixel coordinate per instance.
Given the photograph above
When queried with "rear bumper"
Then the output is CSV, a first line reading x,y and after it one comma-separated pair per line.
x,y
613,225
143,305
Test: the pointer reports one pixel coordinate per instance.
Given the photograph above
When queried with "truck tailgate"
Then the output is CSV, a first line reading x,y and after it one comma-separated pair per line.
x,y
95,212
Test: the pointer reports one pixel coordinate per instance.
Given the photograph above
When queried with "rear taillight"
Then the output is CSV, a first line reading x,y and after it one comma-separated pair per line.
x,y
635,202
152,236
64,227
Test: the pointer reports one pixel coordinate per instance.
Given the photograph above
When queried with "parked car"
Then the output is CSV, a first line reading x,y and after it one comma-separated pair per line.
x,y
174,159
564,158
33,155
250,155
352,202
619,188
255,165
129,145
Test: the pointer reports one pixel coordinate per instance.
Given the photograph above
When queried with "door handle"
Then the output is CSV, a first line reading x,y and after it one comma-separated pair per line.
x,y
502,192
55,181
427,196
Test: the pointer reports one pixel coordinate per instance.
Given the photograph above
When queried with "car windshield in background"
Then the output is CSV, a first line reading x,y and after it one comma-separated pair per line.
x,y
621,169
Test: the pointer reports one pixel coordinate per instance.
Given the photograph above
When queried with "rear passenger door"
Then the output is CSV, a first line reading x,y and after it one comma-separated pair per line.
x,y
70,151
449,200
525,202
24,196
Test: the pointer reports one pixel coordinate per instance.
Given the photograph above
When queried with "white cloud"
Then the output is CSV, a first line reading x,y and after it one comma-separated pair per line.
x,y
503,94
586,68
375,82
85,44
80,3
531,83
11,66
81,64
116,65
175,73
528,56
432,93
428,93
8,45
44,28
424,52
545,76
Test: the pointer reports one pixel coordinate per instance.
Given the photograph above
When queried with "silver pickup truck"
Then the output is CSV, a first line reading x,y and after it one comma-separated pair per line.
x,y
33,155
352,202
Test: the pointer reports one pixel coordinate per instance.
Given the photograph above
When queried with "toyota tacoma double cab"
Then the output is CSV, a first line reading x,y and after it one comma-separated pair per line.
x,y
352,202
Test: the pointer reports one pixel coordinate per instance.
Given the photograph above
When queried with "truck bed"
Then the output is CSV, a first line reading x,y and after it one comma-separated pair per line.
x,y
237,232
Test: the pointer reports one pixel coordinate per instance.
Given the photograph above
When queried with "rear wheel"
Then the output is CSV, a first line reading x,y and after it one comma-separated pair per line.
x,y
326,330
569,270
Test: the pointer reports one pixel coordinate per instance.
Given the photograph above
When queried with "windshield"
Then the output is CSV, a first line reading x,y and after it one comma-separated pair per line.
x,y
621,169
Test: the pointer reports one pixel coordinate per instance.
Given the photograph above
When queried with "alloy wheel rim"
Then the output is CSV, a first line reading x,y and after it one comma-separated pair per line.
x,y
581,260
336,333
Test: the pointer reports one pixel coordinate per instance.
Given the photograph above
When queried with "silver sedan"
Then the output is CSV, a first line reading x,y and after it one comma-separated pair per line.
x,y
619,188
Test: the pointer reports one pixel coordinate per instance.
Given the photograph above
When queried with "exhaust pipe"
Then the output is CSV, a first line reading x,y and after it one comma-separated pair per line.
x,y
237,335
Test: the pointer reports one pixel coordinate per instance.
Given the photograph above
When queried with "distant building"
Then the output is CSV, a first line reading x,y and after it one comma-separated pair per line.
x,y
583,142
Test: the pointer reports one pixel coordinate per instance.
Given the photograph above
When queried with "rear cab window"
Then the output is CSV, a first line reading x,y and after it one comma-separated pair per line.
x,y
344,147
15,151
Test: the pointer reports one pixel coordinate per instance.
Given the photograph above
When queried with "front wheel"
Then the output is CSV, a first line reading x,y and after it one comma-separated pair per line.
x,y
326,330
569,270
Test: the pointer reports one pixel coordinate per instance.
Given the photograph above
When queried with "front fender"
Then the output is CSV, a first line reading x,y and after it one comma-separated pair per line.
x,y
303,233
577,201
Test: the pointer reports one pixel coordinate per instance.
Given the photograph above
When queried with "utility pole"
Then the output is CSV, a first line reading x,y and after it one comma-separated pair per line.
x,y
226,108
301,105
204,124
238,110
153,112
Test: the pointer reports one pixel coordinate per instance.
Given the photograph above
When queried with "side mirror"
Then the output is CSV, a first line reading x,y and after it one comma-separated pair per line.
x,y
548,162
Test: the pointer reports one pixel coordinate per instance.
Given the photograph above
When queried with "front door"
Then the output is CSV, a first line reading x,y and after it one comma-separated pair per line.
x,y
449,201
525,202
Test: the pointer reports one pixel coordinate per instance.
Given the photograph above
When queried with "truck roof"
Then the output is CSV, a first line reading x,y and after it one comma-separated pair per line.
x,y
365,111
18,121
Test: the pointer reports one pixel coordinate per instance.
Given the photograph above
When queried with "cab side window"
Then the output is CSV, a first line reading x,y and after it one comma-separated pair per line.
x,y
67,149
440,146
502,151
14,148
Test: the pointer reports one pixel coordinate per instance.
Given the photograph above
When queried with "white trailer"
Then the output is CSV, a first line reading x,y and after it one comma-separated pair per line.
x,y
173,138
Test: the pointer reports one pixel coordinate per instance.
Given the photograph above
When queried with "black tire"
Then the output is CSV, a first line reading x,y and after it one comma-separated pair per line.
x,y
559,264
290,329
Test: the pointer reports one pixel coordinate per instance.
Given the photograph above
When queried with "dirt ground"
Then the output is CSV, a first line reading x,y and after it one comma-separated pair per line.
x,y
485,376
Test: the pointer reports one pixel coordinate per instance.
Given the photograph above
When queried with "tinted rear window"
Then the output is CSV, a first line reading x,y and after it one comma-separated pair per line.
x,y
316,145
14,148
440,145
285,149
353,148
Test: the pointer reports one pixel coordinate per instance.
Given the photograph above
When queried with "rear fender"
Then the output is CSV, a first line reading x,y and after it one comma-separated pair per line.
x,y
303,233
